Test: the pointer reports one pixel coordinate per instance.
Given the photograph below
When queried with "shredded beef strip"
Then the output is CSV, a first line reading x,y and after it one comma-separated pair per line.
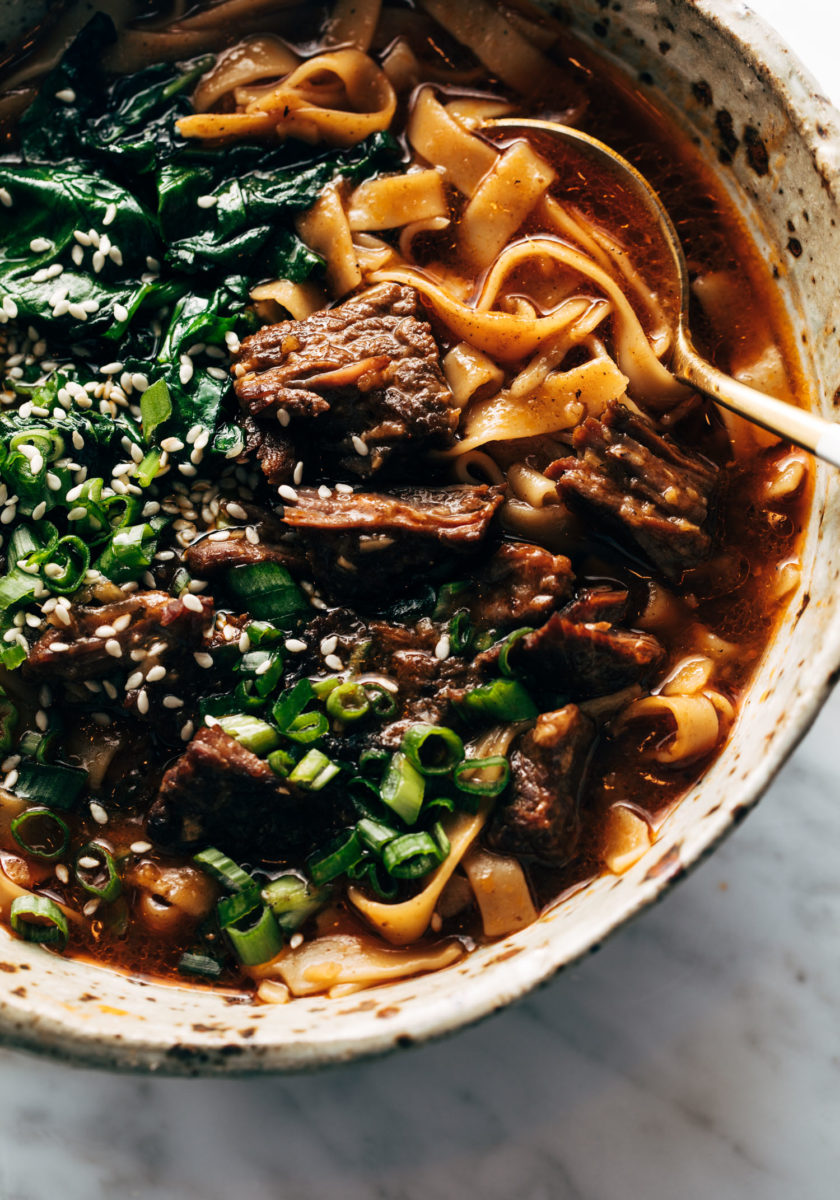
x,y
583,660
156,621
372,545
366,372
540,816
641,488
520,584
594,604
218,793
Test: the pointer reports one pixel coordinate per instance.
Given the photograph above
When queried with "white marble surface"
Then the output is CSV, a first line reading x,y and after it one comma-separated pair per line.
x,y
698,1055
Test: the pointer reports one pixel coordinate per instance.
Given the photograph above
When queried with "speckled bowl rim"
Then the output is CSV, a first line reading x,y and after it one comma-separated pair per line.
x,y
816,123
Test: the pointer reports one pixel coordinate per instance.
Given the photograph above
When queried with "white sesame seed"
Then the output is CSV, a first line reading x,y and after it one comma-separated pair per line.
x,y
11,779
113,648
62,874
134,681
207,201
442,648
65,619
82,238
185,372
287,493
76,514
244,643
5,197
39,510
232,341
173,702
39,245
139,382
210,721
217,373
295,645
142,702
252,536
333,662
98,261
358,445
329,644
8,515
88,862
324,492
203,659
192,603
66,96
172,445
140,847
10,763
9,307
121,623
90,908
111,368
283,417
237,511
98,813
295,940
187,730
110,690
53,482
104,631
155,674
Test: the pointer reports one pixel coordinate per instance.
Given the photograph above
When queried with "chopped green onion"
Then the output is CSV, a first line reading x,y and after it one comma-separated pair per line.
x,y
460,631
8,723
506,647
130,552
255,735
91,879
496,766
16,587
233,908
292,901
321,688
314,771
432,749
49,784
443,843
223,869
375,834
348,702
411,856
292,703
308,727
268,592
199,964
41,833
246,699
402,788
258,943
381,884
370,760
267,668
281,762
446,596
341,856
155,407
500,700
73,556
39,919
146,471
263,633
381,699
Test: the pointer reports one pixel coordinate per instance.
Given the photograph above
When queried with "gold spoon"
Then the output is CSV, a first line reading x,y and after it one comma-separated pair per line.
x,y
796,425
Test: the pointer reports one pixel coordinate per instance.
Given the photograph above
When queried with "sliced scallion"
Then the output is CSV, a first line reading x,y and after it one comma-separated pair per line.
x,y
375,834
223,869
50,784
292,901
231,909
39,919
308,727
338,859
292,703
259,942
499,700
255,735
41,833
460,631
382,700
412,855
314,771
201,965
483,776
348,702
506,647
432,749
402,788
103,880
268,592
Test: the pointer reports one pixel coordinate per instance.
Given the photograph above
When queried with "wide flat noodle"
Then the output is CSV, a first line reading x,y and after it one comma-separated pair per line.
x,y
501,203
353,22
436,136
325,230
252,60
559,403
300,300
346,959
501,892
395,200
338,98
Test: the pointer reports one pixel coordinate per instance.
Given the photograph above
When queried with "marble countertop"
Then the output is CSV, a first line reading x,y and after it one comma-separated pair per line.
x,y
697,1055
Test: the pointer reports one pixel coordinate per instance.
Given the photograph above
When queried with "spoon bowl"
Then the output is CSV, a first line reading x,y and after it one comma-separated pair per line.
x,y
797,425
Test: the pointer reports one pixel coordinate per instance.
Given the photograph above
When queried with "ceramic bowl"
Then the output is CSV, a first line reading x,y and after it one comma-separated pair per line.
x,y
729,78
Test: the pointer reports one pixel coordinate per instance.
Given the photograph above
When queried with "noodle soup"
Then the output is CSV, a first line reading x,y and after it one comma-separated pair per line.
x,y
370,582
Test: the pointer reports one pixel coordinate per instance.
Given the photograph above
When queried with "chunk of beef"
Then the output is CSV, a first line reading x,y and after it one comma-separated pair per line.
x,y
641,488
519,585
594,604
369,546
540,817
98,641
585,660
367,372
218,793
207,558
274,452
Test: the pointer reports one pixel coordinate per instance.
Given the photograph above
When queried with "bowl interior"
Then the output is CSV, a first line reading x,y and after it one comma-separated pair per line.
x,y
728,78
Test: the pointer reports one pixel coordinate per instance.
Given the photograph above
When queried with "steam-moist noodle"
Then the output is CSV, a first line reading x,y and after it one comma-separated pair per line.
x,y
370,582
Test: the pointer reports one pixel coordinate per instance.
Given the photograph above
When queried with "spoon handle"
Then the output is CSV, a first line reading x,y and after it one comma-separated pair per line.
x,y
796,425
